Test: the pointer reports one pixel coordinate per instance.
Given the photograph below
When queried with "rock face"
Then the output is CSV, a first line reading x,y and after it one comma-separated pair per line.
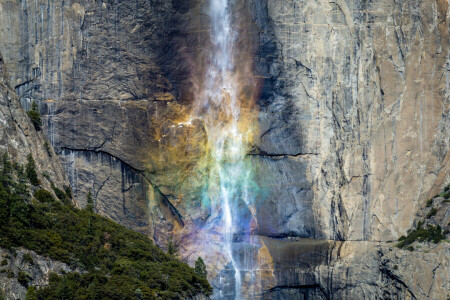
x,y
356,100
353,117
19,138
324,269
37,270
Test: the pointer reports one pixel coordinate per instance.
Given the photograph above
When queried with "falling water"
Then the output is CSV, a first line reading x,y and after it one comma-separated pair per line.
x,y
220,107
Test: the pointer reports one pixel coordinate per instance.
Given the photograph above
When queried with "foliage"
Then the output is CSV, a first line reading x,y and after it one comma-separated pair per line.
x,y
35,116
68,191
432,212
90,202
117,262
200,268
172,247
1,295
47,148
446,192
27,258
43,196
23,278
31,293
431,234
31,171
430,202
62,195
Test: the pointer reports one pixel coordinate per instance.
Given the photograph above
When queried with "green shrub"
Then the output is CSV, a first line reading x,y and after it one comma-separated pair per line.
x,y
23,278
4,262
61,194
31,294
429,202
27,258
48,148
395,267
43,196
46,176
432,212
431,234
68,191
31,171
35,116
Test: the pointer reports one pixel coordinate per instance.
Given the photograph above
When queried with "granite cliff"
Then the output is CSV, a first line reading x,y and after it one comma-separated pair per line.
x,y
353,117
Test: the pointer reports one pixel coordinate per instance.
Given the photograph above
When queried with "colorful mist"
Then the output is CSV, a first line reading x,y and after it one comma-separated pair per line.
x,y
225,103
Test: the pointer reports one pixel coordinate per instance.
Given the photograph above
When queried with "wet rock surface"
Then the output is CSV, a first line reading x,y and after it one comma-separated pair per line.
x,y
353,117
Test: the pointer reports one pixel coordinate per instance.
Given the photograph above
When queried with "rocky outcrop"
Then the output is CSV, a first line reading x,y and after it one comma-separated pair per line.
x,y
22,268
19,138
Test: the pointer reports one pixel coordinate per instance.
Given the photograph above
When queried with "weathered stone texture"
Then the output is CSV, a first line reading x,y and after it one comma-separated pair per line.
x,y
360,91
38,270
353,116
18,137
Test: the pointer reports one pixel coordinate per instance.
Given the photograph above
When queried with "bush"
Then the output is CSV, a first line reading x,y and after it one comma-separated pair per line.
x,y
429,202
431,234
4,262
43,196
23,278
61,194
27,258
432,212
48,149
35,116
31,294
68,191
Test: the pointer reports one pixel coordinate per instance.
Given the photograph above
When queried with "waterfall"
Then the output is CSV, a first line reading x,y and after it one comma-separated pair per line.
x,y
219,105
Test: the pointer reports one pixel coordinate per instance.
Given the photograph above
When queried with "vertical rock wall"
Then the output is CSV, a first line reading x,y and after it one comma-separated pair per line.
x,y
354,114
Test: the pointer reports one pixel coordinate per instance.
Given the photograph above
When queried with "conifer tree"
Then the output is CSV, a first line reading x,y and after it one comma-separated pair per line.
x,y
35,116
172,247
200,268
90,202
31,171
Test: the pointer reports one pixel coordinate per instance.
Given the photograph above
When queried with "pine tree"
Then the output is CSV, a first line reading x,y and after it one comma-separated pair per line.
x,y
90,209
200,268
6,175
35,116
90,202
31,171
172,247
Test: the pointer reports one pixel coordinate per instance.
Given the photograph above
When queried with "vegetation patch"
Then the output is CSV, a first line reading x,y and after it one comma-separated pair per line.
x,y
35,116
430,234
431,213
117,263
27,258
